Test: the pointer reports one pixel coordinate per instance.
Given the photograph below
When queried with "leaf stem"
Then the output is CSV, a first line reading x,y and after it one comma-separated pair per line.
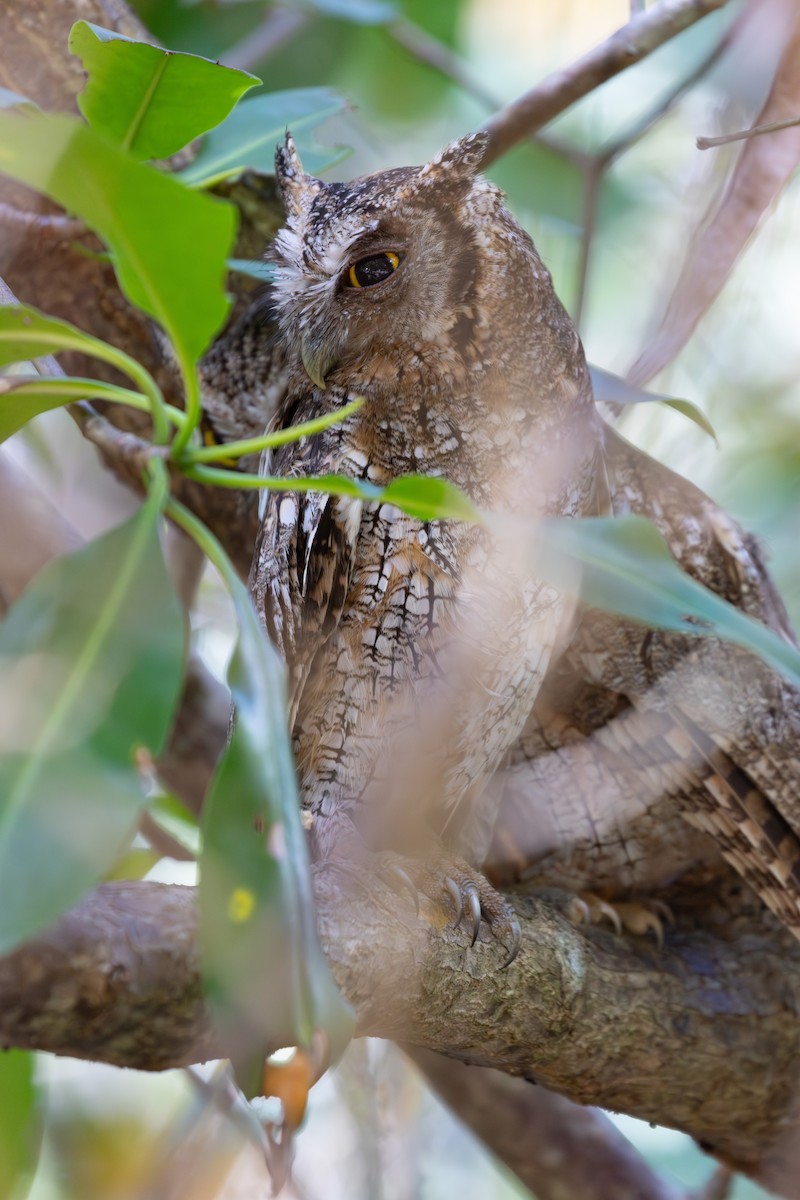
x,y
193,409
268,441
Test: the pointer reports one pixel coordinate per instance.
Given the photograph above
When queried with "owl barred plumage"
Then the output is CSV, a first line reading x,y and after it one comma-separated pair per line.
x,y
417,651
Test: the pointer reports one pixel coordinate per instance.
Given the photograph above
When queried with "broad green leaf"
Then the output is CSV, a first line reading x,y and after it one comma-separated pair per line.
x,y
255,127
429,498
610,389
265,973
20,1123
150,101
24,397
14,100
170,244
625,566
91,662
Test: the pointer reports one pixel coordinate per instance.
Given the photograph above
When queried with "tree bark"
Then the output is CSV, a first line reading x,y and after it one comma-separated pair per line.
x,y
702,1036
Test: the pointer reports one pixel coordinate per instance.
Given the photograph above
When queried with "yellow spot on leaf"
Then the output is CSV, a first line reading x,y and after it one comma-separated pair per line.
x,y
241,905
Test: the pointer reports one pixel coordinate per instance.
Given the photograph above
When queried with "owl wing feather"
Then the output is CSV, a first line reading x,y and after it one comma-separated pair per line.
x,y
303,566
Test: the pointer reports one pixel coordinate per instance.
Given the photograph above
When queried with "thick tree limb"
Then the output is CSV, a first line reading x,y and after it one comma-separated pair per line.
x,y
703,1036
643,34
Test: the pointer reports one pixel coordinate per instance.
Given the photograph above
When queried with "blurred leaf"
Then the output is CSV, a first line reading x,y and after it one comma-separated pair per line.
x,y
429,498
23,398
152,102
26,333
134,864
361,12
91,662
255,127
14,100
610,389
625,566
265,973
20,1123
176,819
152,224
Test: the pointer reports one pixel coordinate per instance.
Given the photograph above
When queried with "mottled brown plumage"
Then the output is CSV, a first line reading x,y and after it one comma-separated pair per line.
x,y
435,681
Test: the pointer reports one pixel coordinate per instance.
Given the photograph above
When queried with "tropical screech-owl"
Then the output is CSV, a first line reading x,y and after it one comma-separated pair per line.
x,y
417,650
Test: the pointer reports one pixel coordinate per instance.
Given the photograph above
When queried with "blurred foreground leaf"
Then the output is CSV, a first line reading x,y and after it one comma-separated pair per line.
x,y
610,389
152,224
91,662
152,102
625,566
255,127
20,1123
265,973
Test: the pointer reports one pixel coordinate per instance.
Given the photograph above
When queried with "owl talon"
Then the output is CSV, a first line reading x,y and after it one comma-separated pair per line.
x,y
395,874
516,937
638,917
458,899
474,905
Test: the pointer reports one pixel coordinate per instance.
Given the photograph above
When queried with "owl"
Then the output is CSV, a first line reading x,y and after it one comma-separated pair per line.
x,y
450,707
415,649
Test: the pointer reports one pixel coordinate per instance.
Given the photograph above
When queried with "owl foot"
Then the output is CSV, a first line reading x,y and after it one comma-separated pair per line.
x,y
471,896
638,917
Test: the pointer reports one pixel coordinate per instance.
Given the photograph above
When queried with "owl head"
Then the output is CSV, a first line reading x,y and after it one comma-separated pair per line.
x,y
385,260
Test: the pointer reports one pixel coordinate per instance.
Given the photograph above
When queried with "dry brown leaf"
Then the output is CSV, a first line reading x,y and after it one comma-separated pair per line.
x,y
765,166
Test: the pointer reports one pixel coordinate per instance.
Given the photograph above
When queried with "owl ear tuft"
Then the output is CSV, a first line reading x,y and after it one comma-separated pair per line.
x,y
296,187
457,165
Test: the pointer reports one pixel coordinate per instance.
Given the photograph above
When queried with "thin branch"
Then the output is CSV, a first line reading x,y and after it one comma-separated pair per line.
x,y
554,1147
643,34
705,143
52,224
278,27
437,55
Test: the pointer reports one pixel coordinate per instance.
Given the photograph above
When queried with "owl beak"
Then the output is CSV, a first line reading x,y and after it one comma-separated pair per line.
x,y
315,363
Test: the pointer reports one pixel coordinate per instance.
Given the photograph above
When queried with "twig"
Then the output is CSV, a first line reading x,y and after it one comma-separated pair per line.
x,y
554,1147
435,54
718,1186
53,224
278,27
630,44
613,150
706,143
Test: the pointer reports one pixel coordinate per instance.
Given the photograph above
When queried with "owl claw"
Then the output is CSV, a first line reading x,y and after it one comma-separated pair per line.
x,y
404,880
474,905
516,938
458,898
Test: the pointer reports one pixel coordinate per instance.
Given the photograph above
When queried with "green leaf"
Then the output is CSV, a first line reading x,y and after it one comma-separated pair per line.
x,y
26,333
20,1122
265,973
255,127
429,498
150,101
610,389
152,224
24,397
91,662
625,566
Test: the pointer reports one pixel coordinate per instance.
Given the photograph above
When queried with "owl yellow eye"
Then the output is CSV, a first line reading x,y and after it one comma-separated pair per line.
x,y
369,271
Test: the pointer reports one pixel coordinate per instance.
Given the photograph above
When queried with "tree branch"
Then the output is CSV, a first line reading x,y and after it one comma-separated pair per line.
x,y
703,1036
553,1146
643,34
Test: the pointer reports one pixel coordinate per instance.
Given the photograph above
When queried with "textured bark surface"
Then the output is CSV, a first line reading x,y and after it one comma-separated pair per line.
x,y
702,1036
